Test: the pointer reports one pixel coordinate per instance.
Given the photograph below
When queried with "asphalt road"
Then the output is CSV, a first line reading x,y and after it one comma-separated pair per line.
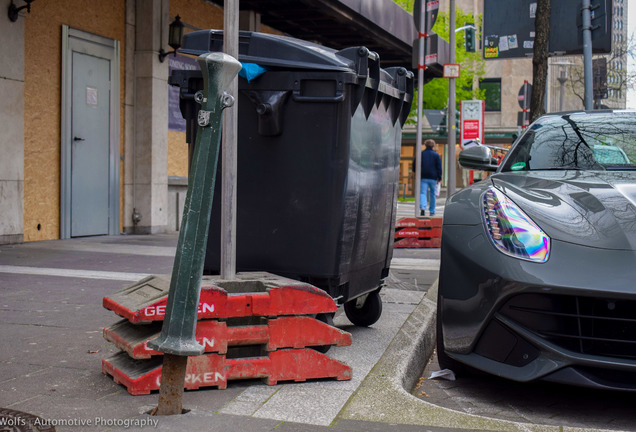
x,y
536,403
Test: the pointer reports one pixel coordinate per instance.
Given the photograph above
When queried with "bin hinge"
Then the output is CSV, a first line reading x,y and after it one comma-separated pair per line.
x,y
366,65
403,82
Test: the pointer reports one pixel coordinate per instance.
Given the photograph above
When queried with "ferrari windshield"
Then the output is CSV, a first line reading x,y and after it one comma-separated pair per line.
x,y
582,141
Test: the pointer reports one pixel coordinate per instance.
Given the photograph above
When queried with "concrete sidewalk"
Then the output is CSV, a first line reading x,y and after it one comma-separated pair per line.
x,y
52,347
52,319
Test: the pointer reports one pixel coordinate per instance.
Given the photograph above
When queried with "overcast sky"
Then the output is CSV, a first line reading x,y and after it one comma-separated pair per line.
x,y
631,66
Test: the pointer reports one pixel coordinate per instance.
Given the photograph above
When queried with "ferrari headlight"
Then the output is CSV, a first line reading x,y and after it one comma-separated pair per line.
x,y
511,230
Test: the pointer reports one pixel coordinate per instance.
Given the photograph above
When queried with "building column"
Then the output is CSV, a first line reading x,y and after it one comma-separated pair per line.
x,y
146,163
12,121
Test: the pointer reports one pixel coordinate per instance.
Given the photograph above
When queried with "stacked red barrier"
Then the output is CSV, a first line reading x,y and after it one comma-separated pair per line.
x,y
418,233
260,326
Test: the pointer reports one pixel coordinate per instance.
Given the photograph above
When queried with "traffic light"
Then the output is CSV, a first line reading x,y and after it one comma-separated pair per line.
x,y
443,125
457,115
469,37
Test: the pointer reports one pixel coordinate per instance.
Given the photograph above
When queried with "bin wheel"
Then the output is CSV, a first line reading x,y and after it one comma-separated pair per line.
x,y
327,318
364,310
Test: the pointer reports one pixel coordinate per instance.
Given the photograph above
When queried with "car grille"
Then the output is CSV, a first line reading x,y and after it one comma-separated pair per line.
x,y
587,325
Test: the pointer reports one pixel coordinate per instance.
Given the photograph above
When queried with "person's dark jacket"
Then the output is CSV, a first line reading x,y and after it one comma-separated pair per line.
x,y
431,165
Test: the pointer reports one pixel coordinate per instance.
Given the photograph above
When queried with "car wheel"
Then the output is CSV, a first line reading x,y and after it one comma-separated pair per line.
x,y
363,311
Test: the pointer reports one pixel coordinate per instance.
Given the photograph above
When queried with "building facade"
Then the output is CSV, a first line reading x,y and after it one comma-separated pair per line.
x,y
504,79
566,91
84,106
84,112
509,75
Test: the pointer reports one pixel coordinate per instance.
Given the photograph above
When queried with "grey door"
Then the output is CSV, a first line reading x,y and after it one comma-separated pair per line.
x,y
90,146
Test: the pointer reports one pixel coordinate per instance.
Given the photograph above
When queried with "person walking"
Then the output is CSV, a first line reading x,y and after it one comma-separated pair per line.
x,y
431,174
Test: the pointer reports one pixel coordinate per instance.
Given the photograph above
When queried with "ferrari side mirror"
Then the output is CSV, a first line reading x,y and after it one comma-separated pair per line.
x,y
477,158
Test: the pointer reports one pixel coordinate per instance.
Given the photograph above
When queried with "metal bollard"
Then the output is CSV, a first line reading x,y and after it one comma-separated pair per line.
x,y
177,338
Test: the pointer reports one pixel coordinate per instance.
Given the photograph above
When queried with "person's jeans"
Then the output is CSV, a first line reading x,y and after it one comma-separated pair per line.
x,y
430,186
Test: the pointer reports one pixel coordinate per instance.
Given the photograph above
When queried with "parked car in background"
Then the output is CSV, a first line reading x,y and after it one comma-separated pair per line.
x,y
538,261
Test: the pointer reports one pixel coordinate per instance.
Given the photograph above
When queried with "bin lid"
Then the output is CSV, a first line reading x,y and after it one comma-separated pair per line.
x,y
269,50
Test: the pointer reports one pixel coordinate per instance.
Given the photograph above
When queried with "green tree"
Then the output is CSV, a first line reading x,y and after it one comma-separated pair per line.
x,y
472,65
407,5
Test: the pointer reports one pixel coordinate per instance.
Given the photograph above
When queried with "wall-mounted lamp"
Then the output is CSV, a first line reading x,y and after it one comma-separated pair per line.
x,y
13,9
174,38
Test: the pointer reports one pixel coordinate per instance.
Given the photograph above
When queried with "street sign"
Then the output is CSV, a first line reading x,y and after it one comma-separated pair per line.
x,y
523,119
436,119
432,8
524,97
451,70
525,92
437,54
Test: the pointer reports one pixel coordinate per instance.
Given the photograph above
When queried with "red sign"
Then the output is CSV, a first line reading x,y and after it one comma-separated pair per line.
x,y
471,129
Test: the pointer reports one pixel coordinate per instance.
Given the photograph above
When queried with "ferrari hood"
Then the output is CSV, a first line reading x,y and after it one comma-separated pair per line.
x,y
591,208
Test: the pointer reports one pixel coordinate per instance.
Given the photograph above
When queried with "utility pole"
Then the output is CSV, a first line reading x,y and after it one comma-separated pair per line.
x,y
587,54
421,31
562,80
229,145
452,164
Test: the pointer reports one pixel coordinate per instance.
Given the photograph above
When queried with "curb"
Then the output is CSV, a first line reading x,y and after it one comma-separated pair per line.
x,y
384,395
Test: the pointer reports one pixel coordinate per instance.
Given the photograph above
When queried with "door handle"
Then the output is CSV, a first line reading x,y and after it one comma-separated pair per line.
x,y
78,139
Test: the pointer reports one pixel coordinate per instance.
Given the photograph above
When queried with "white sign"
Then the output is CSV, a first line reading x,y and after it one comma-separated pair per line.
x,y
451,70
471,121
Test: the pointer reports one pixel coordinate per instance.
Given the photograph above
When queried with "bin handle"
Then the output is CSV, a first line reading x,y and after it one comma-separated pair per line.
x,y
296,96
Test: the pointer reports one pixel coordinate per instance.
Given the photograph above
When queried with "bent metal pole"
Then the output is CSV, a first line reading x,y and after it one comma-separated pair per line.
x,y
177,338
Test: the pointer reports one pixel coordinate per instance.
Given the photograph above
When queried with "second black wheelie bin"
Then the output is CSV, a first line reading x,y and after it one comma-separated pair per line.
x,y
319,136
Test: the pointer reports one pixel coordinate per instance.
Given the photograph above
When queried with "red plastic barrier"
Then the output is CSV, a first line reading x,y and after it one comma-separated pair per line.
x,y
418,243
214,370
215,302
419,223
216,336
276,309
418,233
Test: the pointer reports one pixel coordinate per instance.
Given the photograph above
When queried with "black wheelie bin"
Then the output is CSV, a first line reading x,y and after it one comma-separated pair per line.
x,y
319,135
